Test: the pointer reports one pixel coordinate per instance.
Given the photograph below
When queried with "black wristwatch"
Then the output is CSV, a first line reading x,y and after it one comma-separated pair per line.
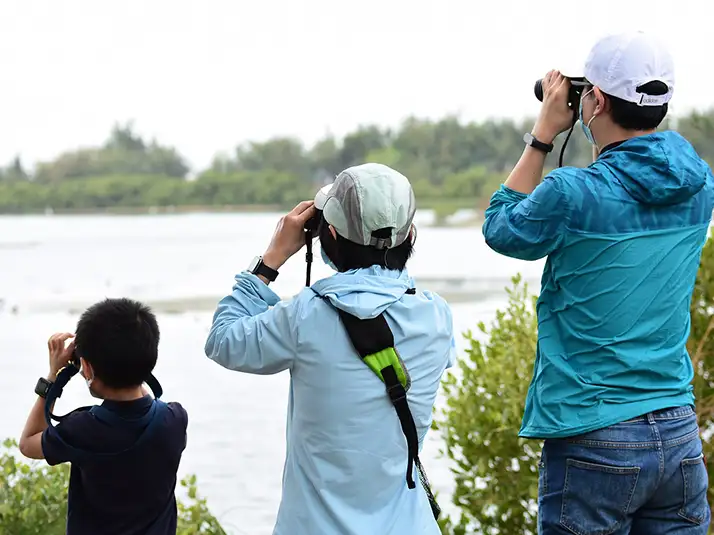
x,y
530,140
257,267
43,387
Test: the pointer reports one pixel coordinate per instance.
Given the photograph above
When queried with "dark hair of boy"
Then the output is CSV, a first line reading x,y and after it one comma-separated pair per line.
x,y
120,339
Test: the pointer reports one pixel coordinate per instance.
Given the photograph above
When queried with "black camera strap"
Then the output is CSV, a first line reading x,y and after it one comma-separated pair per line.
x,y
308,256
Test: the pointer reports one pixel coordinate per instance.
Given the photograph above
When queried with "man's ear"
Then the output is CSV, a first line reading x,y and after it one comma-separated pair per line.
x,y
333,232
87,371
601,101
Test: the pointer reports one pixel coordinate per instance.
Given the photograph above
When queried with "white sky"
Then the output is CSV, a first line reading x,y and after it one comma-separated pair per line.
x,y
205,75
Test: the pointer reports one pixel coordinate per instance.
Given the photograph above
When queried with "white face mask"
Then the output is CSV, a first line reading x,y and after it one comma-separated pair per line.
x,y
586,127
327,260
89,386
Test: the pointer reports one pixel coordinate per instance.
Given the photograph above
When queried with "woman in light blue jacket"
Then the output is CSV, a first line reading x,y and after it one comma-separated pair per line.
x,y
347,453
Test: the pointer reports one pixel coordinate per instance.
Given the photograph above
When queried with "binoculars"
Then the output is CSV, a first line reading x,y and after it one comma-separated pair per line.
x,y
574,92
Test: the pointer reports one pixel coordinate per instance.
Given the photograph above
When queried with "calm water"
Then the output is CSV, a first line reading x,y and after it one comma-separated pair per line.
x,y
51,267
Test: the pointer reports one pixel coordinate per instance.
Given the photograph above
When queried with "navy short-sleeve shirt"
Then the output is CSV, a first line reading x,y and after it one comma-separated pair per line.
x,y
127,494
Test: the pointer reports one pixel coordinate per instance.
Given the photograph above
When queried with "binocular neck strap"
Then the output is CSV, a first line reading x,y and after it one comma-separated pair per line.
x,y
55,391
64,376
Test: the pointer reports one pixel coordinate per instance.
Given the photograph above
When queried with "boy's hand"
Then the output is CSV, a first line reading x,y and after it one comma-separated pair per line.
x,y
59,355
31,439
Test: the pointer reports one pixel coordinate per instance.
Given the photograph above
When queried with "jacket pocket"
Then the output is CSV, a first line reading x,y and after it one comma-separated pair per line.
x,y
696,480
596,497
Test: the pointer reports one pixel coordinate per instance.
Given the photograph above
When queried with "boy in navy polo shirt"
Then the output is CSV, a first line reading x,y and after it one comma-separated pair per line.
x,y
125,456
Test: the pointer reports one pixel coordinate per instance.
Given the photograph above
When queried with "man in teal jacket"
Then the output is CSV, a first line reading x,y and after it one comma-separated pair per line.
x,y
346,468
611,391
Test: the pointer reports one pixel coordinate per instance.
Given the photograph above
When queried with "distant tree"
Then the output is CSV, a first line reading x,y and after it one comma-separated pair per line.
x,y
14,172
124,153
284,155
357,145
123,138
451,164
698,128
325,158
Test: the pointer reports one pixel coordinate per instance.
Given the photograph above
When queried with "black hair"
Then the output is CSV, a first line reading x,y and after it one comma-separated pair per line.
x,y
347,255
120,339
630,116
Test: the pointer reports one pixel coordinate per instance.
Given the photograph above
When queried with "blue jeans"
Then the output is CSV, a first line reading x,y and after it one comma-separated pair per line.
x,y
646,476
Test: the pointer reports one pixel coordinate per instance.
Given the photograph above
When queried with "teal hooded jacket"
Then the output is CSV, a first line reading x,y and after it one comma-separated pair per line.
x,y
346,455
623,239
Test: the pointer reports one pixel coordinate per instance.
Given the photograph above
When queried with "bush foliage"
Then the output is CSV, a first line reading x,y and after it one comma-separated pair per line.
x,y
33,499
496,472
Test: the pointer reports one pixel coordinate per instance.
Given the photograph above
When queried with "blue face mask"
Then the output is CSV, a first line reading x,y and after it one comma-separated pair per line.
x,y
327,260
586,127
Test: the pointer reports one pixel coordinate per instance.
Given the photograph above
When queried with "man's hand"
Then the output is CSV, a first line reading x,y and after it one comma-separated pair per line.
x,y
59,355
289,236
555,114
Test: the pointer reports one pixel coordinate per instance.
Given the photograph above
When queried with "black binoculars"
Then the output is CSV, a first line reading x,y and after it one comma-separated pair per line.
x,y
313,224
574,92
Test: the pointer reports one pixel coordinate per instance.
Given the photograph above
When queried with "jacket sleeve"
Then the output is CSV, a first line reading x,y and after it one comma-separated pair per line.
x,y
527,227
249,336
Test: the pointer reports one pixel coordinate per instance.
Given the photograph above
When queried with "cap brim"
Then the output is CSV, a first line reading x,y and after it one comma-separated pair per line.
x,y
321,196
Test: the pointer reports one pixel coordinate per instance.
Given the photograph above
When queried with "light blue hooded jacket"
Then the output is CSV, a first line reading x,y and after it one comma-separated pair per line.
x,y
345,470
623,239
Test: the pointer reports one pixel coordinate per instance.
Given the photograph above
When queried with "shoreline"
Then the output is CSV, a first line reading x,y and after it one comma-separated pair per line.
x,y
444,207
452,289
452,216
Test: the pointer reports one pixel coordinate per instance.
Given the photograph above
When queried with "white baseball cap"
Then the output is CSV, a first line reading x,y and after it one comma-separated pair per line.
x,y
620,64
368,198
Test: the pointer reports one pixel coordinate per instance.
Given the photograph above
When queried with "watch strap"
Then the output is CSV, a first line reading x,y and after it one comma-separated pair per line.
x,y
531,140
267,272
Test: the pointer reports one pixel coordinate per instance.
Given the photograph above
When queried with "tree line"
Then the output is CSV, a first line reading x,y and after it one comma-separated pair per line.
x,y
447,161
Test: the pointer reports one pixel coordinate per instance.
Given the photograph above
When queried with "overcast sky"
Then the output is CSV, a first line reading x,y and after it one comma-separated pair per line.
x,y
206,75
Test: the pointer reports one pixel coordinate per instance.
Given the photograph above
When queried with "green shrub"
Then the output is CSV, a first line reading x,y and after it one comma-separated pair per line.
x,y
33,499
701,349
496,472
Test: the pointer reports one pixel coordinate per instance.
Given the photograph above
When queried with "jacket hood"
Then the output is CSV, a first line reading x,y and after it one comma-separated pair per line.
x,y
660,169
364,293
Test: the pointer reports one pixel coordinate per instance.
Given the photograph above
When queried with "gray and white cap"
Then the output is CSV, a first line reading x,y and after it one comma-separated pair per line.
x,y
368,198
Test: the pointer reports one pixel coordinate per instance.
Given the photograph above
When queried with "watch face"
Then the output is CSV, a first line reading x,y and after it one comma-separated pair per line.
x,y
528,138
254,264
42,387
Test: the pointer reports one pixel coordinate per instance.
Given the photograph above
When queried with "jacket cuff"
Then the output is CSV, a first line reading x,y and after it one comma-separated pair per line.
x,y
511,194
252,283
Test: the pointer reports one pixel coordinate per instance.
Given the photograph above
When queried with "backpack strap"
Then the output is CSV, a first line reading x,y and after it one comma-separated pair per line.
x,y
374,342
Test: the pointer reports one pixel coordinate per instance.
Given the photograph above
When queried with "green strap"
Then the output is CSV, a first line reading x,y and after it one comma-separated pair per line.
x,y
387,357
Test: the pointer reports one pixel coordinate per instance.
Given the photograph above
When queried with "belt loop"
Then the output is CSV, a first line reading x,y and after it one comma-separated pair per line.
x,y
650,418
